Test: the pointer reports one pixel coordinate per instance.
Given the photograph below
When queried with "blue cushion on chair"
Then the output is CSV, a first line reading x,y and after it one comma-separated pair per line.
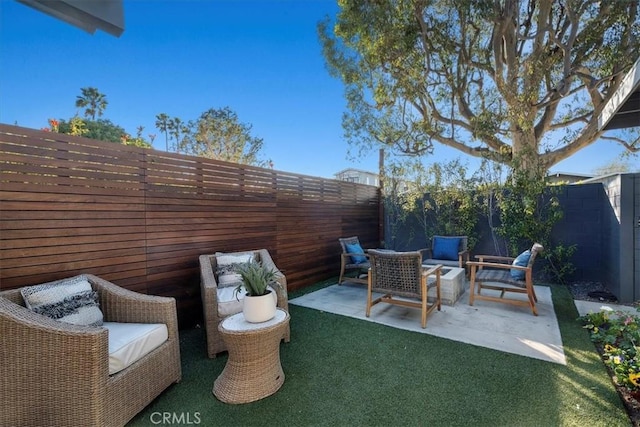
x,y
355,248
521,260
446,248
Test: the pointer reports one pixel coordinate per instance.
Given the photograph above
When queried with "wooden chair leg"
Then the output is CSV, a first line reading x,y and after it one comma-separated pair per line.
x,y
532,304
438,295
531,294
369,294
341,278
472,284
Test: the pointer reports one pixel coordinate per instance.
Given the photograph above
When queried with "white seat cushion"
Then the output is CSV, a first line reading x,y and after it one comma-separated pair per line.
x,y
129,342
228,304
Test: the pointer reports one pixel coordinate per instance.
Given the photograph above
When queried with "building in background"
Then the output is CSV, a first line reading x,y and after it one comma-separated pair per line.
x,y
358,176
567,178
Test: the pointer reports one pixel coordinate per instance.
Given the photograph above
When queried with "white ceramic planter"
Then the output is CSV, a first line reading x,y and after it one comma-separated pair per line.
x,y
259,309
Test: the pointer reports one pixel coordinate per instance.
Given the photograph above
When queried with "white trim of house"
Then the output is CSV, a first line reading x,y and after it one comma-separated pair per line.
x,y
105,15
629,84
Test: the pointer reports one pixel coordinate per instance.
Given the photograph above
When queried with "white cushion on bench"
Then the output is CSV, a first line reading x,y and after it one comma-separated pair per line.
x,y
130,342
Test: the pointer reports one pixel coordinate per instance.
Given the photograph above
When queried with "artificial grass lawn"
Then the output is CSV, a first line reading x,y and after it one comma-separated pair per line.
x,y
347,372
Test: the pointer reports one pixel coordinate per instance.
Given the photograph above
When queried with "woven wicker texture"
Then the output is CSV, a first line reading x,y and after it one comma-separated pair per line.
x,y
253,370
55,373
208,291
401,274
398,272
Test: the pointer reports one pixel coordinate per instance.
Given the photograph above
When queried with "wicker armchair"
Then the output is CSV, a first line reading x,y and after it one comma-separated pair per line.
x,y
347,264
401,274
55,373
494,273
209,293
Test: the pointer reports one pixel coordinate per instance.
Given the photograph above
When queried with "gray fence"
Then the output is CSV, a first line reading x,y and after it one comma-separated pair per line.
x,y
601,217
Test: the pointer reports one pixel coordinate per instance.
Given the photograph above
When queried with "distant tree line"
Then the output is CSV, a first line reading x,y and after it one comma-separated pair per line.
x,y
216,134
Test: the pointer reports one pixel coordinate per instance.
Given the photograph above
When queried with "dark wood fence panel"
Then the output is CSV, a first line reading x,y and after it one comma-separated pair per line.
x,y
70,205
141,218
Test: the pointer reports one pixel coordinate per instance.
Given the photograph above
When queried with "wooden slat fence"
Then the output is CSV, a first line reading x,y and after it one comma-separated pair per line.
x,y
140,218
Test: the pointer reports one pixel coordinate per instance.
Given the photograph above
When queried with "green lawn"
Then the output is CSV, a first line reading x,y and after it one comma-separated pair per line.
x,y
347,372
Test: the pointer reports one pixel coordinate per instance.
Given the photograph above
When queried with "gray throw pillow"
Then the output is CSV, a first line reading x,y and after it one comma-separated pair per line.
x,y
226,268
72,301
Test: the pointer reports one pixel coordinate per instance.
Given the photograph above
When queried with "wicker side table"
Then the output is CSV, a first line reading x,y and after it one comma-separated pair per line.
x,y
253,370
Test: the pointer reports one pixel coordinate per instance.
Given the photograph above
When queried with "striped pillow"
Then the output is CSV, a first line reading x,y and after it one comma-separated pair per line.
x,y
226,270
71,301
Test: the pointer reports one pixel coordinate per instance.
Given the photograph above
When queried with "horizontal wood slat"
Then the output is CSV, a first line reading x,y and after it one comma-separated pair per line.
x,y
141,217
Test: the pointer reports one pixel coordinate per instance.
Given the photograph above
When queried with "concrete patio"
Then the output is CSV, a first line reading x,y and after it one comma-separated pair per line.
x,y
498,326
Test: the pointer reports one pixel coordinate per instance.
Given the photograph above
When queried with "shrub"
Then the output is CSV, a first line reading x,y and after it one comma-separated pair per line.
x,y
616,334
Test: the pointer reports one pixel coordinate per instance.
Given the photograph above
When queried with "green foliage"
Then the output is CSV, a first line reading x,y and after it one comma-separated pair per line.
x,y
179,131
101,130
137,141
92,101
255,277
528,209
559,265
443,201
162,123
440,198
490,79
77,126
617,333
95,103
396,204
104,130
620,165
218,134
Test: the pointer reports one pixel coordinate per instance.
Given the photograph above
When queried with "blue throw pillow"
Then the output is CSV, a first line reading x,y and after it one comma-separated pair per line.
x,y
446,248
521,260
355,248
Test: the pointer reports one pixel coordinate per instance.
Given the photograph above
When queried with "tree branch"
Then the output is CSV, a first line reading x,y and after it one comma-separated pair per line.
x,y
583,118
633,147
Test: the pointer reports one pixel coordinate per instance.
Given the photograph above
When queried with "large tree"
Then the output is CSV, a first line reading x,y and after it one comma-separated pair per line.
x,y
518,82
93,102
218,134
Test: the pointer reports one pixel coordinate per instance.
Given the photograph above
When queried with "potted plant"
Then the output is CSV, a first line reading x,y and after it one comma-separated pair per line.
x,y
259,303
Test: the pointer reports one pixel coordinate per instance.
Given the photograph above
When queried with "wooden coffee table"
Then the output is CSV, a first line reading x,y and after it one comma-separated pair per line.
x,y
253,370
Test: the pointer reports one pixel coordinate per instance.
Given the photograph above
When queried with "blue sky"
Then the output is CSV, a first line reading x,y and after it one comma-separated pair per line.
x,y
261,58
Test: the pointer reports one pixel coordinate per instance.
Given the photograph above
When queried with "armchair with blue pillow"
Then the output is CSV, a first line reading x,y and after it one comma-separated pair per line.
x,y
504,274
452,251
353,258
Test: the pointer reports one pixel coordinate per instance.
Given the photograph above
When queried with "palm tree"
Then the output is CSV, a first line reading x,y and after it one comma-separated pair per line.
x,y
92,101
176,127
162,123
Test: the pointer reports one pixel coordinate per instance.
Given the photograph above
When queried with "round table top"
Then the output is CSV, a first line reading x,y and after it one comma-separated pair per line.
x,y
237,322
